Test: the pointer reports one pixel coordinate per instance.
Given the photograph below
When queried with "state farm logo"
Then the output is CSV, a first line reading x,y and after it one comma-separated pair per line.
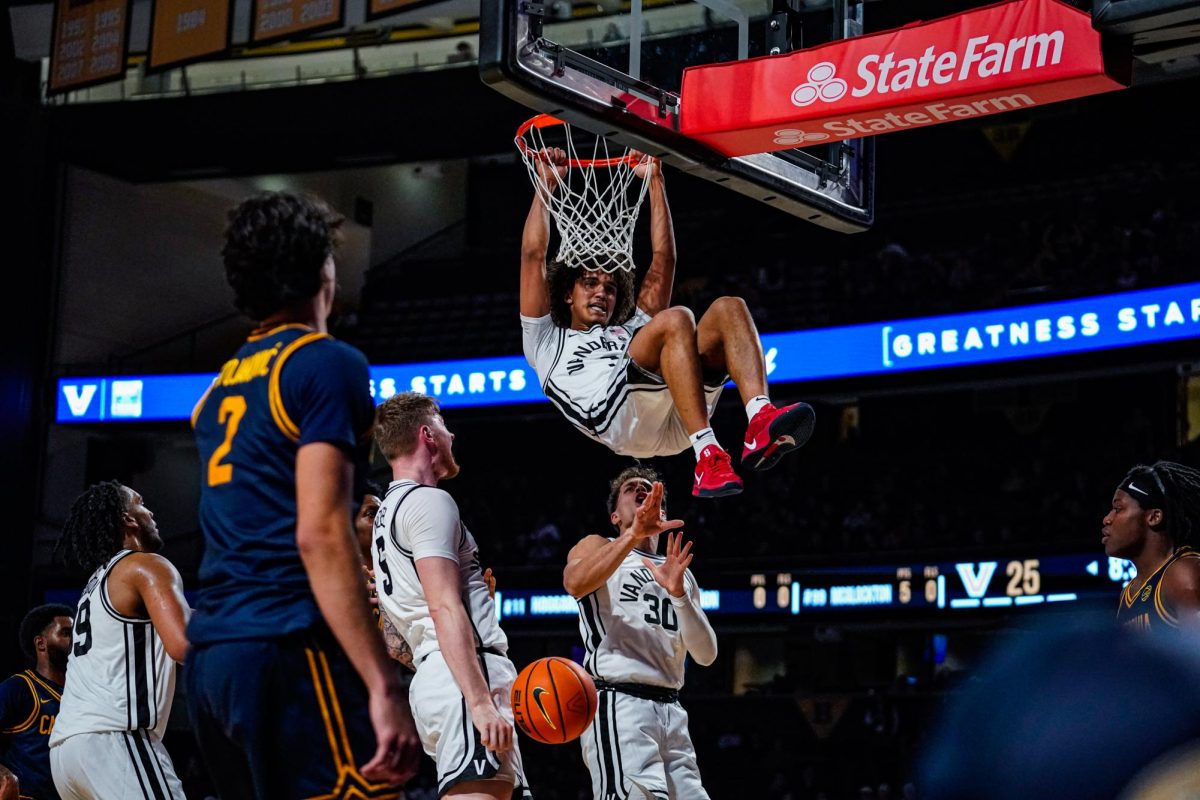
x,y
977,59
821,85
795,136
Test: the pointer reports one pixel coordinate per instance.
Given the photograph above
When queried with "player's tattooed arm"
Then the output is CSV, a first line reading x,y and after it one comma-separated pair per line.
x,y
397,646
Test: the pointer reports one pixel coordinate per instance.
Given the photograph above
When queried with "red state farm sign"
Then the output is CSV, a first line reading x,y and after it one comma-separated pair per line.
x,y
999,58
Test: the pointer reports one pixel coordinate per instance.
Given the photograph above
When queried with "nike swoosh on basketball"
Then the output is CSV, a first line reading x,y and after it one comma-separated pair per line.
x,y
538,691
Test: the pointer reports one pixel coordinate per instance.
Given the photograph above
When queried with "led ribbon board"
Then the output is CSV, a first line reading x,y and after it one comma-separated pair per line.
x,y
979,337
984,61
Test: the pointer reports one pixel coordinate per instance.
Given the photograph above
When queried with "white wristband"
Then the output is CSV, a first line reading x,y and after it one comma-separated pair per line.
x,y
680,602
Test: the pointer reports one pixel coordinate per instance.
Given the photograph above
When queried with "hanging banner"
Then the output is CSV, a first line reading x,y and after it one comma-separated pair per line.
x,y
381,8
89,42
1003,57
182,31
282,19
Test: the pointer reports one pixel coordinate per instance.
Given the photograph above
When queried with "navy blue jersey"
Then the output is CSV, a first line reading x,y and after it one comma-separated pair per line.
x,y
1145,610
28,706
285,388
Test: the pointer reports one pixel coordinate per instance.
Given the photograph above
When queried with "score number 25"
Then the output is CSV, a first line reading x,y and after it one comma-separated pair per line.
x,y
1024,577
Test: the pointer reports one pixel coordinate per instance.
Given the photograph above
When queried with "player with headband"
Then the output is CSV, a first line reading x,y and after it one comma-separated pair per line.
x,y
632,371
1154,522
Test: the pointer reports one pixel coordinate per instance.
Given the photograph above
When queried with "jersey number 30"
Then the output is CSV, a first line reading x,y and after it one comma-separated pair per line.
x,y
661,612
230,414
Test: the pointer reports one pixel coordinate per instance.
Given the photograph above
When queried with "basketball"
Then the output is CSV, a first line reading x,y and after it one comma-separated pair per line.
x,y
553,700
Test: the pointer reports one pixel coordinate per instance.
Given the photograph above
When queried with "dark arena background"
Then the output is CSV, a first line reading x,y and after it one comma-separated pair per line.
x,y
921,591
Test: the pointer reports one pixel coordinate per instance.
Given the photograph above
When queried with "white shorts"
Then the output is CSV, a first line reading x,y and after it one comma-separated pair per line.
x,y
113,764
645,424
640,749
447,732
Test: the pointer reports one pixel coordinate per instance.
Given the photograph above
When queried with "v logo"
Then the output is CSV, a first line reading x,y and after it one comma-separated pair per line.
x,y
79,397
976,583
480,765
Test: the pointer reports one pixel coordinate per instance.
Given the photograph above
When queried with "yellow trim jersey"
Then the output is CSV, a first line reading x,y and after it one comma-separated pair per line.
x,y
1145,609
283,389
28,708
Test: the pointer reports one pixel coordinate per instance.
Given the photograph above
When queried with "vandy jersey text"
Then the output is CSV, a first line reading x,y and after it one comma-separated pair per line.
x,y
417,521
630,628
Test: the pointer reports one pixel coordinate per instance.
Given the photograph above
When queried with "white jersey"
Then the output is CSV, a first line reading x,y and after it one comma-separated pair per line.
x,y
590,377
119,676
630,629
414,522
583,373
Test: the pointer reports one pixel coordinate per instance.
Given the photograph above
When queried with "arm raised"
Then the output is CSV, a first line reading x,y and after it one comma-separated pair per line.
x,y
659,281
535,239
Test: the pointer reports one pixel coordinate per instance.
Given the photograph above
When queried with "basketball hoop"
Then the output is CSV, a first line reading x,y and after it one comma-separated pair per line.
x,y
594,204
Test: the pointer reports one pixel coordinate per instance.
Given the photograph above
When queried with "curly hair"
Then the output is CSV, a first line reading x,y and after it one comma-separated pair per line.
x,y
275,248
93,533
561,279
399,418
34,624
1180,488
636,471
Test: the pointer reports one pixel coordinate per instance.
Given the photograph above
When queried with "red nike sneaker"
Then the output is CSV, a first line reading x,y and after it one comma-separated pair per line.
x,y
775,431
714,474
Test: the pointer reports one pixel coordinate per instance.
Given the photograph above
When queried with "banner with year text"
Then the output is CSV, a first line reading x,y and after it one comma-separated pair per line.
x,y
88,44
282,19
182,31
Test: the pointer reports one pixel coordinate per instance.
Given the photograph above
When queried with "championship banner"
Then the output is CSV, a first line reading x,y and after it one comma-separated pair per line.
x,y
281,19
182,31
90,37
1003,57
381,8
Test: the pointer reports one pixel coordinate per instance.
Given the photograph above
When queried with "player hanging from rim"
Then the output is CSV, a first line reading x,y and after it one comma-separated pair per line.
x,y
640,617
1155,523
129,634
644,378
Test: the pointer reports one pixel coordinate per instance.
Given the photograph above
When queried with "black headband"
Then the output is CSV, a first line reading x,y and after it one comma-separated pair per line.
x,y
1146,488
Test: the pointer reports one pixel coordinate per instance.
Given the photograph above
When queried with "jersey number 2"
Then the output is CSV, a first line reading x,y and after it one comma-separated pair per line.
x,y
230,414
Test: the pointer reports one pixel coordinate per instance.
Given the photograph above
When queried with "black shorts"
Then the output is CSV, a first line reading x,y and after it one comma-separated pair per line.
x,y
282,718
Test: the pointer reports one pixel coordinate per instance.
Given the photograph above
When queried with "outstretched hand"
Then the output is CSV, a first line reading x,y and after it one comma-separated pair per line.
x,y
552,166
650,519
669,574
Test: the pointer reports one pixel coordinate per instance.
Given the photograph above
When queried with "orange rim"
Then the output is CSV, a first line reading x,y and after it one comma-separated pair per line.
x,y
547,121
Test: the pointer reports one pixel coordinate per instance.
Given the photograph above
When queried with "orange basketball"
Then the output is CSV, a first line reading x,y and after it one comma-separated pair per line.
x,y
554,700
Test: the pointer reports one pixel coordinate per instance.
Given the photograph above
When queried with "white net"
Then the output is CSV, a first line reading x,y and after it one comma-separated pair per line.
x,y
595,203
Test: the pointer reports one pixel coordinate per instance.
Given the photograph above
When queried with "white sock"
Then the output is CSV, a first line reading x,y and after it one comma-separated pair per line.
x,y
755,404
702,439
